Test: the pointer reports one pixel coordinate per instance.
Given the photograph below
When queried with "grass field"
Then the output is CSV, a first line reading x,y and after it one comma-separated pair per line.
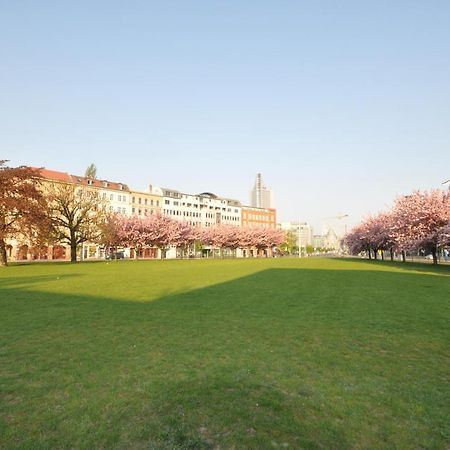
x,y
244,354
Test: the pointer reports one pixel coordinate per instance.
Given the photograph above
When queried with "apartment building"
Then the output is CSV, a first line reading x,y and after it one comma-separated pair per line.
x,y
115,196
205,209
258,217
146,203
302,230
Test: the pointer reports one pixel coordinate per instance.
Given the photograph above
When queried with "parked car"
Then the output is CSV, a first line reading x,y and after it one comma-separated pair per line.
x,y
116,255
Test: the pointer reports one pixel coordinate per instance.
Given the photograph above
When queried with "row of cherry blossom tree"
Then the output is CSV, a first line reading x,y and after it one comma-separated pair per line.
x,y
419,222
163,232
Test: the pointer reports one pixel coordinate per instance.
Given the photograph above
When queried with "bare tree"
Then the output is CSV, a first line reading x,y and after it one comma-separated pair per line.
x,y
77,214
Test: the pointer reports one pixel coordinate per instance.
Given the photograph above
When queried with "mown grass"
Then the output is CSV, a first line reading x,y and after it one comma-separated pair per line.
x,y
244,354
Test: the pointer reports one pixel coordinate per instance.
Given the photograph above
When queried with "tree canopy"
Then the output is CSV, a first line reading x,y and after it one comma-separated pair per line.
x,y
23,208
91,171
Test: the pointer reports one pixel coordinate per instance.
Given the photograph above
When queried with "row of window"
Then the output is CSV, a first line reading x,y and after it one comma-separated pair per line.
x,y
196,205
145,202
119,210
258,217
170,212
120,198
139,211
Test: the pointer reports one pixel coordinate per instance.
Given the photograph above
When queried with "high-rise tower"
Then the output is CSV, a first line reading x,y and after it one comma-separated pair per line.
x,y
260,195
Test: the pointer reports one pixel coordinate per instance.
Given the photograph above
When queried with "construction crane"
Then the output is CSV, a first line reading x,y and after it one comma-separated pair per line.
x,y
338,217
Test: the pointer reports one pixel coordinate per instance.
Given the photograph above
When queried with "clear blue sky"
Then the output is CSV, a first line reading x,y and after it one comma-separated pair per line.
x,y
340,104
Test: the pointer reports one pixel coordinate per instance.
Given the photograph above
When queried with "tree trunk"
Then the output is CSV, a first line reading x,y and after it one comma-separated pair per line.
x,y
392,254
370,254
375,253
382,255
3,256
434,253
403,256
73,252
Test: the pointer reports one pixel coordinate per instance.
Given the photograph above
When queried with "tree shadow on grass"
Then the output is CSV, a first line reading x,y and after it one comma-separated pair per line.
x,y
26,281
423,267
298,357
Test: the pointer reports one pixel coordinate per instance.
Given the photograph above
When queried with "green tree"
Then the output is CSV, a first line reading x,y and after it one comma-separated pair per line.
x,y
309,249
91,171
290,244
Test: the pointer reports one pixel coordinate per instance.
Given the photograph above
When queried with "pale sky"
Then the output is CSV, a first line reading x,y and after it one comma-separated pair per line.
x,y
342,105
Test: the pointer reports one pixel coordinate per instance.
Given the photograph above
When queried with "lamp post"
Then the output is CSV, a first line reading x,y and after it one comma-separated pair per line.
x,y
299,246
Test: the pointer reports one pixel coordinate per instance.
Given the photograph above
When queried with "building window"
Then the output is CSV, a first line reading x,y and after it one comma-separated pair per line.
x,y
133,199
145,201
111,196
167,202
151,202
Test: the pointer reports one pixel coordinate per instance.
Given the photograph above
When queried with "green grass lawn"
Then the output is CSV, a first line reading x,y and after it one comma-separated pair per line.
x,y
244,354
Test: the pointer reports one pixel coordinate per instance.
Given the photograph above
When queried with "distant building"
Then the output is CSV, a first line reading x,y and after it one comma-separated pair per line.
x,y
318,241
258,217
205,209
329,240
145,203
260,195
302,230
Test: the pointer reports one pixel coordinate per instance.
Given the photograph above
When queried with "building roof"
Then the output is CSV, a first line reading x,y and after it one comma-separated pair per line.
x,y
105,184
54,175
75,179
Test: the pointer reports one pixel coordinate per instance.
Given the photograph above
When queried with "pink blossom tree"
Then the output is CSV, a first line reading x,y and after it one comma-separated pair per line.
x,y
379,235
131,233
110,233
357,240
418,220
183,236
161,231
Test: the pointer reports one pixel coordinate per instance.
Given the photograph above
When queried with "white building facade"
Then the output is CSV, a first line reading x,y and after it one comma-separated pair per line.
x,y
302,230
205,209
